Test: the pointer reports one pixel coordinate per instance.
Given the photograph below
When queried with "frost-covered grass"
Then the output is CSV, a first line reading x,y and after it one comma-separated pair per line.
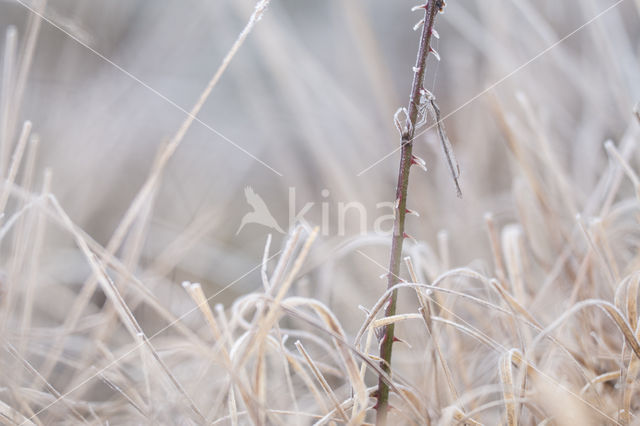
x,y
129,131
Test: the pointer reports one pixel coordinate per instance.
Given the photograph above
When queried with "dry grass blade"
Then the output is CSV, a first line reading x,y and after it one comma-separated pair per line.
x,y
632,302
233,409
270,316
496,250
513,303
195,291
323,382
630,387
453,392
16,160
631,174
118,390
506,377
366,358
12,416
308,381
425,312
13,351
6,91
349,363
459,273
26,59
454,416
613,313
602,378
126,316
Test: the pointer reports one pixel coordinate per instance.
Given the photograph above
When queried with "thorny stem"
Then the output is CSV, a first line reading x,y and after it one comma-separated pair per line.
x,y
386,342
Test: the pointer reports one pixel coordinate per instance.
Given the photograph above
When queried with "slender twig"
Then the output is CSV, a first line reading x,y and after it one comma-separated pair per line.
x,y
407,130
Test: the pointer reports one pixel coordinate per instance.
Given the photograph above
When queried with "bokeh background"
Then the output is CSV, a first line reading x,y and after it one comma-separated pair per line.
x,y
312,93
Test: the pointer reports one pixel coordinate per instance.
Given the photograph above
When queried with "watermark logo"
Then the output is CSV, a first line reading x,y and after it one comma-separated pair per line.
x,y
260,214
334,218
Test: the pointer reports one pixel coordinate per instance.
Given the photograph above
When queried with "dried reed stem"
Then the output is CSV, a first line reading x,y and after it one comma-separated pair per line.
x,y
406,160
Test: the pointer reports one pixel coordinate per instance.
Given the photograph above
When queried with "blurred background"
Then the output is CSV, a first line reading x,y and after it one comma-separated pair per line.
x,y
311,94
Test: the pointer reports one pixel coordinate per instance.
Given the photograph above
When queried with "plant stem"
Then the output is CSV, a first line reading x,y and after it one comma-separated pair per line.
x,y
386,342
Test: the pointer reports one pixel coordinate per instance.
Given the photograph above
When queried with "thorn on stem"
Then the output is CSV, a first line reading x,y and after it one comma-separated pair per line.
x,y
435,53
405,235
420,6
419,162
412,213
